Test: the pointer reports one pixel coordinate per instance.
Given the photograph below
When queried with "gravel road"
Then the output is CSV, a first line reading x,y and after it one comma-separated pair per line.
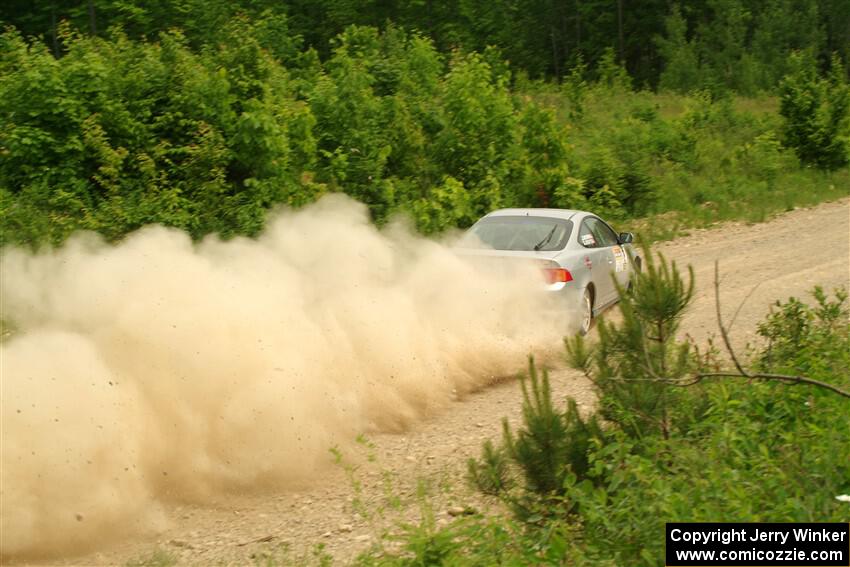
x,y
381,485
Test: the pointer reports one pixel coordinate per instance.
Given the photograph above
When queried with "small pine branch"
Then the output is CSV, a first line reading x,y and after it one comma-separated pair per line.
x,y
490,474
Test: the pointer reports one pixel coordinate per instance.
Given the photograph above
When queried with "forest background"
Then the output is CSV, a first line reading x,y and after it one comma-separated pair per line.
x,y
205,115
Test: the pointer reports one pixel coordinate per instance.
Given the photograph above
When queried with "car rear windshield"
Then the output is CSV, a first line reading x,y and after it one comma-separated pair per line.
x,y
518,233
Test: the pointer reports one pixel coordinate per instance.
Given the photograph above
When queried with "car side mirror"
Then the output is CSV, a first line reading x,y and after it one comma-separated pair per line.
x,y
626,238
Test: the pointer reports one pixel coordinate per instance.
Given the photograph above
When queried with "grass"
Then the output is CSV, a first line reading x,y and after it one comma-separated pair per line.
x,y
701,161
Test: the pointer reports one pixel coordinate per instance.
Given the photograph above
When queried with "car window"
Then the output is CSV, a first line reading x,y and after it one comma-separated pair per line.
x,y
586,237
603,233
518,233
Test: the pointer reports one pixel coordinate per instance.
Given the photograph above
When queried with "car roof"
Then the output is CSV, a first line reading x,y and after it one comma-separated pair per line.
x,y
551,213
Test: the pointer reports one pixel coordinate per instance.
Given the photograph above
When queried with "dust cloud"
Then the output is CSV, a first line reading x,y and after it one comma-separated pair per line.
x,y
159,370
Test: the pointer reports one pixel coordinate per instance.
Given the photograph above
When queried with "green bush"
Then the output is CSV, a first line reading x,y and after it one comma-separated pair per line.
x,y
636,360
552,443
808,340
816,113
672,448
116,133
529,470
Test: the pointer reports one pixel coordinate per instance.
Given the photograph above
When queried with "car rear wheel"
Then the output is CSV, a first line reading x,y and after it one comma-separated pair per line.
x,y
586,313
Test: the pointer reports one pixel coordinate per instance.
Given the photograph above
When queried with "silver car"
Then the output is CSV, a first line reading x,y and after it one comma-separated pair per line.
x,y
580,254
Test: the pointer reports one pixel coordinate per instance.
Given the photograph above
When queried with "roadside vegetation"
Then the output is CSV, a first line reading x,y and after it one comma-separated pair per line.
x,y
679,434
109,129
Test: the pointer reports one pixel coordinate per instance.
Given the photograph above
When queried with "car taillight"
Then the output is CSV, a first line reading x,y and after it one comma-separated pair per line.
x,y
557,275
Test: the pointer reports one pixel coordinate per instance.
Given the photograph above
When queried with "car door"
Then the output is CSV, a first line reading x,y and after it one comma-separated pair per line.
x,y
614,256
601,259
618,258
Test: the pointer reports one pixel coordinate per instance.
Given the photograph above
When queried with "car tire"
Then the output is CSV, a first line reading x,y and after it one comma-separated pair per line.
x,y
586,312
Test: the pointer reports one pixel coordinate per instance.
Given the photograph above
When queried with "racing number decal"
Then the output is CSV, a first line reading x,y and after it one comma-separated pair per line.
x,y
620,259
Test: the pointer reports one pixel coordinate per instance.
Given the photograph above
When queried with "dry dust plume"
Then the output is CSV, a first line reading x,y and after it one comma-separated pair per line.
x,y
160,370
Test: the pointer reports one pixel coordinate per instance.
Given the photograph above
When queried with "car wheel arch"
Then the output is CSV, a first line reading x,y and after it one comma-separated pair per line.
x,y
592,289
588,299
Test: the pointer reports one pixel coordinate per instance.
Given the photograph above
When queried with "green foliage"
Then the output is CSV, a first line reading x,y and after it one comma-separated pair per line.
x,y
552,446
474,541
490,474
759,452
738,45
724,57
352,145
544,179
118,133
635,360
798,336
756,451
109,122
539,448
444,206
681,72
784,26
106,132
682,161
816,113
727,43
480,136
611,74
765,159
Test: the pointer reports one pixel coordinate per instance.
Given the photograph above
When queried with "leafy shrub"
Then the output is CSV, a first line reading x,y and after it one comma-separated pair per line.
x,y
711,451
612,75
480,134
443,206
117,133
816,113
766,159
759,452
808,340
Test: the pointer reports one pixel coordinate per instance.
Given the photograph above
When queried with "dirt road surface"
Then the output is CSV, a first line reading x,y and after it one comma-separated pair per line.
x,y
382,485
